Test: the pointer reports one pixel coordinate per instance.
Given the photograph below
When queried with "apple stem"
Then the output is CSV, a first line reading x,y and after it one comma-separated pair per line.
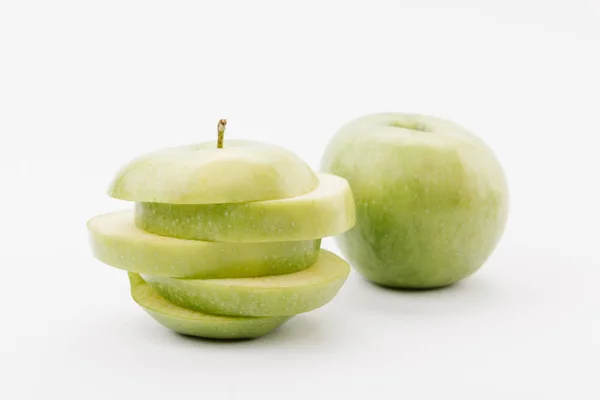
x,y
221,130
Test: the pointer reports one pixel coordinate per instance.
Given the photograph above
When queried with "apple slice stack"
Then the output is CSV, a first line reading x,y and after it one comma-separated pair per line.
x,y
225,242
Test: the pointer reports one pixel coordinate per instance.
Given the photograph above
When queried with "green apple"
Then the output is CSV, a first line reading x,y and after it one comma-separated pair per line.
x,y
116,241
271,296
194,323
431,199
241,171
326,211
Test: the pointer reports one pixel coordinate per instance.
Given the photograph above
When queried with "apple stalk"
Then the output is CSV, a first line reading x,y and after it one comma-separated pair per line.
x,y
221,131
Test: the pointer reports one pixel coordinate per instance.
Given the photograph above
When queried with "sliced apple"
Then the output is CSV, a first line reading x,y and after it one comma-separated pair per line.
x,y
281,295
241,171
116,241
326,211
194,323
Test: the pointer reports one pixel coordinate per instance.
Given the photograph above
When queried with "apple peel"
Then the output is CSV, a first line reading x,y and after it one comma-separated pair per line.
x,y
194,323
239,172
282,295
326,211
116,241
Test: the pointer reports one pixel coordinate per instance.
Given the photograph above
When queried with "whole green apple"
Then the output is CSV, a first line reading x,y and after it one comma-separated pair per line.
x,y
431,199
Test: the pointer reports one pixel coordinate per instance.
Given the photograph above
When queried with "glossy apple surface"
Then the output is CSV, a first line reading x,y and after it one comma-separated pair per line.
x,y
431,199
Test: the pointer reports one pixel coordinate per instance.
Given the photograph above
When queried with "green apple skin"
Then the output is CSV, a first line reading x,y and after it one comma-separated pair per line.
x,y
431,199
194,323
116,241
326,211
201,173
269,296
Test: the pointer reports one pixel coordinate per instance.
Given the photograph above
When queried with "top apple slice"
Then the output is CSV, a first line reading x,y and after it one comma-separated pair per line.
x,y
241,171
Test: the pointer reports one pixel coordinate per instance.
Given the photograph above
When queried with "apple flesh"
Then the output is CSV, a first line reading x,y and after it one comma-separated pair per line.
x,y
431,199
282,295
194,323
116,241
241,171
326,211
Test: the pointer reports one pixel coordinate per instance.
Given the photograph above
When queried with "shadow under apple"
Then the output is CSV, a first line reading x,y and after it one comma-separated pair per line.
x,y
473,295
299,330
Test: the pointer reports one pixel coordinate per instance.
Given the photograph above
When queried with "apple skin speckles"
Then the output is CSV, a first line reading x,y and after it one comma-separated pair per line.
x,y
116,241
326,211
195,323
431,205
267,296
240,172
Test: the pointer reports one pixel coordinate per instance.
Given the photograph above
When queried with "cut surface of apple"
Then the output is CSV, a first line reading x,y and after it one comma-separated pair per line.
x,y
116,241
326,211
194,323
282,295
241,171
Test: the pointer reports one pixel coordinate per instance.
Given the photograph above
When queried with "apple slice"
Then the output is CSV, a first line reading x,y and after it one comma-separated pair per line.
x,y
268,296
326,211
189,322
116,241
241,171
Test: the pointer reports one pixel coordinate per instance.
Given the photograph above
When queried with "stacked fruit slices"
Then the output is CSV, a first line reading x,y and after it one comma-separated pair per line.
x,y
225,242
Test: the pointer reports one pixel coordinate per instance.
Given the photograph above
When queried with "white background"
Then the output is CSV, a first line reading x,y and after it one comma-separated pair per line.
x,y
87,85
